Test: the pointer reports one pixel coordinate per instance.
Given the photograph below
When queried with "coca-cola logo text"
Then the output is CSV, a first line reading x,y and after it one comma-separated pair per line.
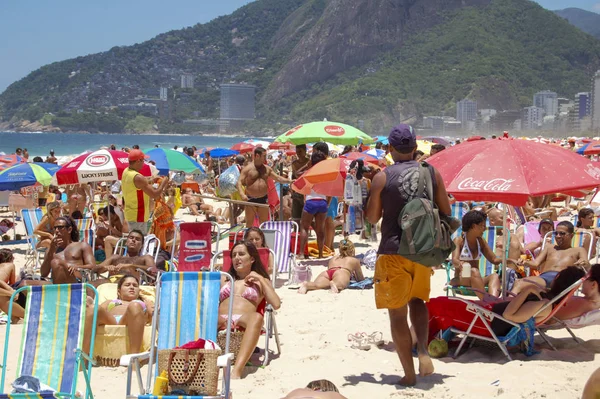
x,y
97,160
485,185
334,130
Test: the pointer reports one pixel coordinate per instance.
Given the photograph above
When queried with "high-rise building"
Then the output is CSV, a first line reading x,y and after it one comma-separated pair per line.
x,y
532,118
163,93
187,81
595,101
466,110
583,104
237,102
548,100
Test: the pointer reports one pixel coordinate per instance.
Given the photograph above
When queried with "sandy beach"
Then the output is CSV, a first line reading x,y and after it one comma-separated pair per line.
x,y
314,328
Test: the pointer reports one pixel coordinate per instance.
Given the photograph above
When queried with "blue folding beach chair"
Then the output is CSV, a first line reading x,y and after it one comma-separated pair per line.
x,y
187,309
51,343
31,218
459,209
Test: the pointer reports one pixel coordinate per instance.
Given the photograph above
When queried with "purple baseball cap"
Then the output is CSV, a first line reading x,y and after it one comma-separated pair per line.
x,y
402,138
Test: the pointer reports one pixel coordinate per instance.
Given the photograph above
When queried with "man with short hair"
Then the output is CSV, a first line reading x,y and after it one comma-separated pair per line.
x,y
51,158
254,178
19,151
67,256
137,192
553,259
128,263
436,148
401,284
299,166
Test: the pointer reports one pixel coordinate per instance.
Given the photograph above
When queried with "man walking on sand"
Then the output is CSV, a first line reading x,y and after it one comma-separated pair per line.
x,y
254,177
402,286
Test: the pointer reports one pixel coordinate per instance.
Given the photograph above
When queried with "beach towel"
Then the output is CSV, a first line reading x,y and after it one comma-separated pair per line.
x,y
523,335
365,284
313,250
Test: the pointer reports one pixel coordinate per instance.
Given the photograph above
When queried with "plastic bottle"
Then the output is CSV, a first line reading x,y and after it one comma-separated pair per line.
x,y
349,189
161,384
351,219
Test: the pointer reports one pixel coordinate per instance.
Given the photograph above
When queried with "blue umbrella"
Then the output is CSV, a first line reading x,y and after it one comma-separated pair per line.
x,y
377,153
167,160
27,174
221,153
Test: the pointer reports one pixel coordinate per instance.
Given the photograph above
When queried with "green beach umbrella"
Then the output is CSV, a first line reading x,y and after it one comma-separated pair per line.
x,y
332,132
167,160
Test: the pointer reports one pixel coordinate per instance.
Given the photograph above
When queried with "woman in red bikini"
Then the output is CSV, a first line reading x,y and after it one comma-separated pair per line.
x,y
251,285
338,273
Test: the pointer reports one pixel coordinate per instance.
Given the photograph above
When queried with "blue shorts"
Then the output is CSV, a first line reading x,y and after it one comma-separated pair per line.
x,y
315,206
332,211
548,277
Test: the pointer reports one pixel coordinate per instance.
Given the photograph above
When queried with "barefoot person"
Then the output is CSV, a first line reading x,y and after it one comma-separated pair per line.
x,y
254,178
400,284
554,258
338,273
67,256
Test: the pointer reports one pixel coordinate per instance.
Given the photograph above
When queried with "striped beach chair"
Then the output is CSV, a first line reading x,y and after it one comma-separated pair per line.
x,y
486,268
459,209
87,231
286,253
187,309
31,218
579,238
51,343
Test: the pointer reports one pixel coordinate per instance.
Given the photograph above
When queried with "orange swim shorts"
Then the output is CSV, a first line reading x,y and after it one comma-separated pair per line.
x,y
398,280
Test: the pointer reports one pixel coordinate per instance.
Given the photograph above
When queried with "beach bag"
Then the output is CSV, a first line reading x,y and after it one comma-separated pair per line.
x,y
425,236
228,180
300,274
192,371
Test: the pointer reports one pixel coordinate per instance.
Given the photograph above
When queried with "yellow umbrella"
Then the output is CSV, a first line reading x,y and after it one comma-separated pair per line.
x,y
422,145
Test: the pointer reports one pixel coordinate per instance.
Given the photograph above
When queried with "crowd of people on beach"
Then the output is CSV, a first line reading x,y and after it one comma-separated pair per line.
x,y
541,258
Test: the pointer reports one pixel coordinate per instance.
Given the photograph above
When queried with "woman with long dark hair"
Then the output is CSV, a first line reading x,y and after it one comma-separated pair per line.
x,y
251,285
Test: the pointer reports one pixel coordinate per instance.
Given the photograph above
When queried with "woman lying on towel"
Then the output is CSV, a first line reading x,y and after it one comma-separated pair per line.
x,y
251,286
338,273
445,312
127,309
470,247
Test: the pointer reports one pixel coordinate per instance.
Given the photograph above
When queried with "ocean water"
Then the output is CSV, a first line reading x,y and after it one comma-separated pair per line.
x,y
76,143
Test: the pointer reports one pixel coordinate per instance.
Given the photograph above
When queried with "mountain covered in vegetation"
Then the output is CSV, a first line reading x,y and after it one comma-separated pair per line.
x,y
587,21
380,61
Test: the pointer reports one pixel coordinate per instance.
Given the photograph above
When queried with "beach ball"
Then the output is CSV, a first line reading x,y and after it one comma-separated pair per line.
x,y
438,348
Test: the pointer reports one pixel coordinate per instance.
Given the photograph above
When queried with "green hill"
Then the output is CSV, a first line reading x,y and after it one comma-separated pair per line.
x,y
381,61
587,21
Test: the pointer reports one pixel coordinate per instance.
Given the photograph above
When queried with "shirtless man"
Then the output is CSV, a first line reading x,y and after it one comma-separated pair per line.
x,y
554,258
299,166
254,177
208,163
66,255
195,204
118,265
51,158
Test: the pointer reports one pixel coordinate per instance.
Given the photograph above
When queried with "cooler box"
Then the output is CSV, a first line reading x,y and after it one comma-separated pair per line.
x,y
293,242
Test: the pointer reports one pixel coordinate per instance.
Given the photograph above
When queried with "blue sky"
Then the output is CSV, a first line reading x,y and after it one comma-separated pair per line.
x,y
37,32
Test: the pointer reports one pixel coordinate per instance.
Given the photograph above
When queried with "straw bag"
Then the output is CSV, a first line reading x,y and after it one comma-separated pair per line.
x,y
194,371
235,341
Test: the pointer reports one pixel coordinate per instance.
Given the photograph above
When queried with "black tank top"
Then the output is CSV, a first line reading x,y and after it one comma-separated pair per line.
x,y
402,181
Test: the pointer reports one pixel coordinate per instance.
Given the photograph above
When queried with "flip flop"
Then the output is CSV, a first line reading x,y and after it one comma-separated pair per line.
x,y
359,341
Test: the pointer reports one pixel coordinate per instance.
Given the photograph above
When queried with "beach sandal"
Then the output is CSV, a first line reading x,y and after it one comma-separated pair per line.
x,y
376,338
359,341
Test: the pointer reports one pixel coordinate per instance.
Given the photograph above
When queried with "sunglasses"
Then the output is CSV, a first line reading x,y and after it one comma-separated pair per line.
x,y
561,233
59,227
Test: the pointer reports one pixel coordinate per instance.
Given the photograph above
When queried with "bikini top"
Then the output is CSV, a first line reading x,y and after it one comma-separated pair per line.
x,y
117,302
465,253
250,293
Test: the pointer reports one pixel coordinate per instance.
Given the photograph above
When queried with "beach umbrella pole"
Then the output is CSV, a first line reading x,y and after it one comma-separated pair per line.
x,y
281,193
504,251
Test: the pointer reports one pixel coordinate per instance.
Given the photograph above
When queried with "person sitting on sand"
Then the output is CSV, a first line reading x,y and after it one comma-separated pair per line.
x,y
444,311
117,265
257,237
553,259
470,247
66,256
7,267
45,229
339,271
318,389
195,204
250,286
127,309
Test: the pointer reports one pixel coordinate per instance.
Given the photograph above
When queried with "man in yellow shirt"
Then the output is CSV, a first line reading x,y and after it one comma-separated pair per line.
x,y
137,193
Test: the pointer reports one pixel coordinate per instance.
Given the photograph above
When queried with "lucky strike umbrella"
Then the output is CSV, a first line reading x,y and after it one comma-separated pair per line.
x,y
331,132
327,178
27,174
243,148
167,160
101,165
509,171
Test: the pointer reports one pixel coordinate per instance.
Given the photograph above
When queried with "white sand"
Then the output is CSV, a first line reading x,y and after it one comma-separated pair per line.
x,y
314,331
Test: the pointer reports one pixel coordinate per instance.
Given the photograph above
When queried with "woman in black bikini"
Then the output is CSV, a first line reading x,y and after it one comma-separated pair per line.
x,y
338,273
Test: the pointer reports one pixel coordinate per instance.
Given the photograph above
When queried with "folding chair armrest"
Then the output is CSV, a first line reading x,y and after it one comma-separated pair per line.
x,y
225,360
126,360
81,353
481,311
147,277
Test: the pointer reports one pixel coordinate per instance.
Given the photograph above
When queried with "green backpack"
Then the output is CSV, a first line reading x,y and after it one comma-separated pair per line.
x,y
425,236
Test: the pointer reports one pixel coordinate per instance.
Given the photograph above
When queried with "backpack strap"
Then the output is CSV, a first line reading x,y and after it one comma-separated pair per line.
x,y
425,181
422,183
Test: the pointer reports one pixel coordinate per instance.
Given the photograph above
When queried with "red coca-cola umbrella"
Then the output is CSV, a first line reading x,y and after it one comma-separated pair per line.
x,y
475,138
354,155
280,146
509,171
243,148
